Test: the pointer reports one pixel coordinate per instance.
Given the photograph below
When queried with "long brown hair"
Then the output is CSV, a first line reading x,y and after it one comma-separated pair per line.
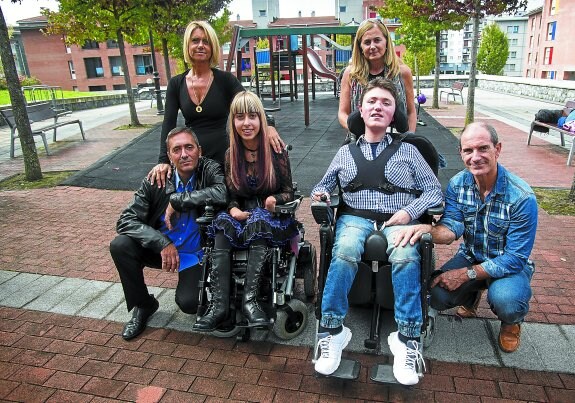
x,y
359,65
248,102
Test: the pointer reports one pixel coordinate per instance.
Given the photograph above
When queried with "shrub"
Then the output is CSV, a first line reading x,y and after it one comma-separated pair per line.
x,y
23,81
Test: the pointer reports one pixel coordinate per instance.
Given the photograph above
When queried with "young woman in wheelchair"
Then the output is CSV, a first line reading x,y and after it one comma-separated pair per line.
x,y
388,194
257,179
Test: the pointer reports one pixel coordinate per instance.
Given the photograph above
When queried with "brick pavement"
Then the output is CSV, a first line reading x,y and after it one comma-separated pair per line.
x,y
65,231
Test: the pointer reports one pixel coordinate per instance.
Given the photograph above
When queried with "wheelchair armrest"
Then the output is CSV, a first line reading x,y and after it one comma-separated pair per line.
x,y
436,210
290,207
323,212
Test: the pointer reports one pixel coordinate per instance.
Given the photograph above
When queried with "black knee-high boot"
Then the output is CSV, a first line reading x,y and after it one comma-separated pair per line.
x,y
255,315
220,279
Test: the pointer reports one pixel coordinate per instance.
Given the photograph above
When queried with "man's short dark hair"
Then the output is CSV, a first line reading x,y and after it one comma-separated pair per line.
x,y
178,130
494,137
384,84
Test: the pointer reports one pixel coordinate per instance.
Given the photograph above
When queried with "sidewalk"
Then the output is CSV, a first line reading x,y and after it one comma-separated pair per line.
x,y
61,308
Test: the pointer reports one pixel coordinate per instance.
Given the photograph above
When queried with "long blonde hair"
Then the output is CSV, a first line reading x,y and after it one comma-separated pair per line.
x,y
212,39
359,65
248,102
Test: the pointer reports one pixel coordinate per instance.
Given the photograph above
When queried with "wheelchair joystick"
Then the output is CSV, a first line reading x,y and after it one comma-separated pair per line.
x,y
208,215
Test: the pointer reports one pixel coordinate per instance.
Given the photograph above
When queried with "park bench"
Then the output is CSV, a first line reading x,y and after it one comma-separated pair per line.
x,y
568,105
455,90
37,114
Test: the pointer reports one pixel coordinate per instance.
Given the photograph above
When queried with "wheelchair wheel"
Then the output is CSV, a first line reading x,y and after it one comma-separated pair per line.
x,y
228,329
310,274
287,327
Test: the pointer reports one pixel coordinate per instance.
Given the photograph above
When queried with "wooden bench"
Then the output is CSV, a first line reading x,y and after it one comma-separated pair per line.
x,y
455,90
568,105
37,114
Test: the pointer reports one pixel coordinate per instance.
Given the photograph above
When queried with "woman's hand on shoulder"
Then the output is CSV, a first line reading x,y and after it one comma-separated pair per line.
x,y
275,140
160,174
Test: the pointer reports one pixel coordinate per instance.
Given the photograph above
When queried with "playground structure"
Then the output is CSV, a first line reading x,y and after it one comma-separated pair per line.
x,y
287,58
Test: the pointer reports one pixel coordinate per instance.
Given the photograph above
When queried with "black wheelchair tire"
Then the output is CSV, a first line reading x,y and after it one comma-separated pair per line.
x,y
310,275
287,329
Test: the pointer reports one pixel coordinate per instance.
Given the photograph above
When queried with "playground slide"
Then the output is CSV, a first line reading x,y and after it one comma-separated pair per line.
x,y
318,67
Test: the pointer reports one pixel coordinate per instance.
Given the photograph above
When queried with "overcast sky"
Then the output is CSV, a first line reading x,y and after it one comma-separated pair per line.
x,y
288,8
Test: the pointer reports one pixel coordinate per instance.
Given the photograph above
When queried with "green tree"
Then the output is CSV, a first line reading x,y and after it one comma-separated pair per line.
x,y
32,169
99,20
168,19
475,10
425,60
493,50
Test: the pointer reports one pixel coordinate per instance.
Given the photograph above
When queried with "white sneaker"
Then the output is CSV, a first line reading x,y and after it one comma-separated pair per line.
x,y
331,347
406,359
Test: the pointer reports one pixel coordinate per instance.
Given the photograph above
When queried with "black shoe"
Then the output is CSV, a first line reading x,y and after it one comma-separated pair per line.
x,y
140,317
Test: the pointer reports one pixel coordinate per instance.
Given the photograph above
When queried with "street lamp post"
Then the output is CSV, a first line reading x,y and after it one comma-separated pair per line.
x,y
157,90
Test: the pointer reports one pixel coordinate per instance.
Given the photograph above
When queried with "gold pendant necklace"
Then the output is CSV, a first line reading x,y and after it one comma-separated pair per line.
x,y
199,108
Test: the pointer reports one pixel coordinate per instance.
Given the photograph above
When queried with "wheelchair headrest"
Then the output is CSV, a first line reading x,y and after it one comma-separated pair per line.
x,y
425,148
356,125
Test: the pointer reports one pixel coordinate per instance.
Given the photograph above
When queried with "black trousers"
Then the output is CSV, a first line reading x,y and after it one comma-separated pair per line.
x,y
130,259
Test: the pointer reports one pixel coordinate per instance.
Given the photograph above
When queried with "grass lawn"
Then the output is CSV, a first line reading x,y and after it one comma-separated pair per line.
x,y
5,98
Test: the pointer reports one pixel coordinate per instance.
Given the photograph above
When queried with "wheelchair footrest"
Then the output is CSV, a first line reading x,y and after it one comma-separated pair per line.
x,y
246,325
382,373
348,369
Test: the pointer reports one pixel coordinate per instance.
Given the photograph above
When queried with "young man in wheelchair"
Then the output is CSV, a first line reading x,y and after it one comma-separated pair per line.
x,y
385,190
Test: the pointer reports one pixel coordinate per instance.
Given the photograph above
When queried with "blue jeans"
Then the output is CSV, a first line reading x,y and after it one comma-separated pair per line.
x,y
351,233
508,296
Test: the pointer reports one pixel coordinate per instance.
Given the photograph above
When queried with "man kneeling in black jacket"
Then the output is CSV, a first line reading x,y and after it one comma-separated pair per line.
x,y
158,229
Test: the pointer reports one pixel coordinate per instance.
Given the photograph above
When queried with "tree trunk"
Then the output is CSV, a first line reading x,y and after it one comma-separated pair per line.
x,y
166,59
32,169
470,111
436,79
571,196
134,122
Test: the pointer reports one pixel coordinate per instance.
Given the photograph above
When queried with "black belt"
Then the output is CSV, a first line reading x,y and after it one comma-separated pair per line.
x,y
368,214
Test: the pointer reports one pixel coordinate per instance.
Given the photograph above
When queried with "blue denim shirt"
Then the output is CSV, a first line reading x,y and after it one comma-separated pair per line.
x,y
499,232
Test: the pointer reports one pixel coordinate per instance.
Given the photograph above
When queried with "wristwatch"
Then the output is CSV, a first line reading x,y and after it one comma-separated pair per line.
x,y
471,273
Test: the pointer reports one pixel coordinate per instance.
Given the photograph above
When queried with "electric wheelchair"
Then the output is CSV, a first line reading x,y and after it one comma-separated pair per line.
x,y
372,285
277,290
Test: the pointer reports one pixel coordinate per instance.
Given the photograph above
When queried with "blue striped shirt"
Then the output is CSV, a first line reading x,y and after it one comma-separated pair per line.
x,y
406,169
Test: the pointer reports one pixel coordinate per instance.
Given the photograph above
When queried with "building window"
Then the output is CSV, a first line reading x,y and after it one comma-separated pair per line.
x,y
94,67
513,42
551,30
118,87
143,64
246,64
342,9
90,45
548,56
96,88
71,68
68,49
513,29
512,55
530,41
263,13
116,65
553,8
111,44
246,48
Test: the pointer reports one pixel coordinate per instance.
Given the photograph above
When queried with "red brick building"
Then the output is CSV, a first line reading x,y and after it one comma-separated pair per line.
x,y
92,67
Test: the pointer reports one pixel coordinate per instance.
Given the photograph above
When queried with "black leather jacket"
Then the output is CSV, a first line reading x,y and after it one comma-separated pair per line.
x,y
141,219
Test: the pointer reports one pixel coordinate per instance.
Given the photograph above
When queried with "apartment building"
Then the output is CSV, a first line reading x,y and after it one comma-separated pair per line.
x,y
551,30
515,27
91,67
